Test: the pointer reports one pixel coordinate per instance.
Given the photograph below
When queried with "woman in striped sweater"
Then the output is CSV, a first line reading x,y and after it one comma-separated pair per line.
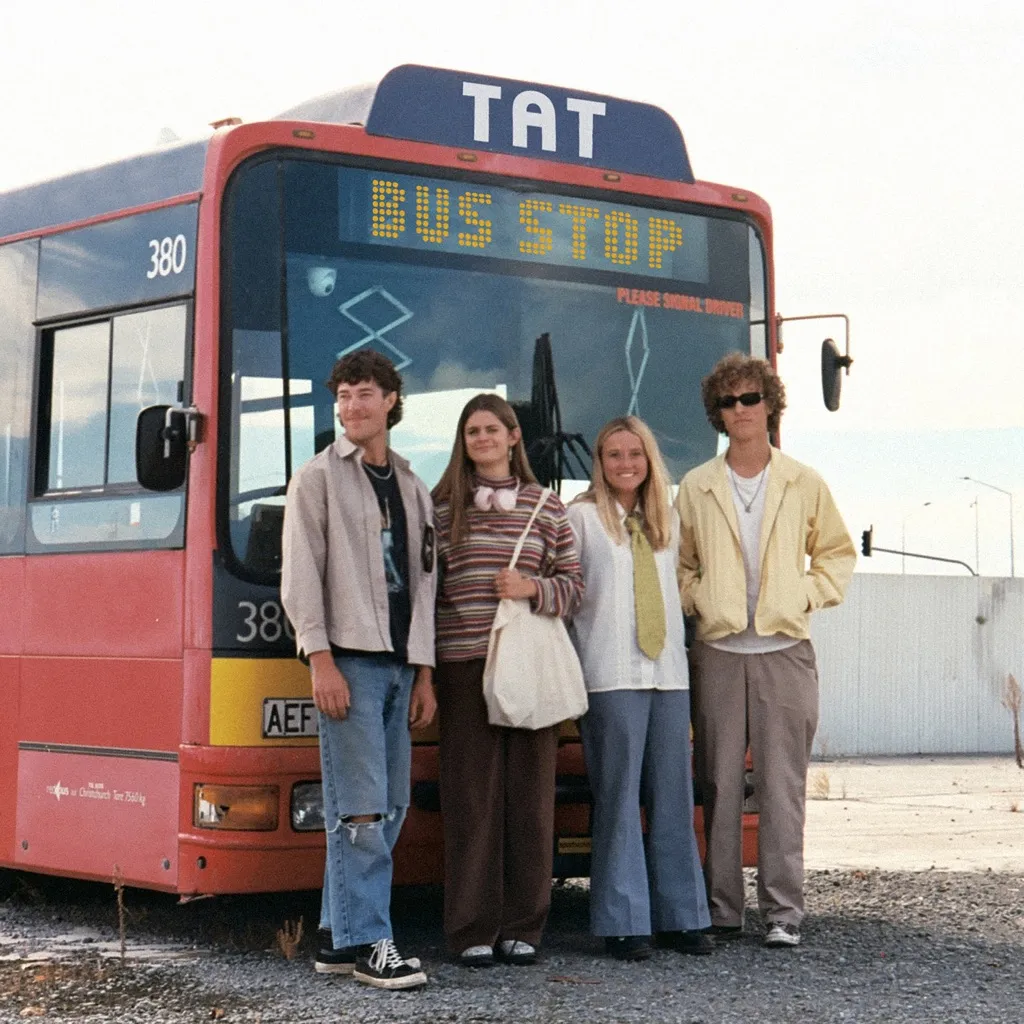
x,y
497,784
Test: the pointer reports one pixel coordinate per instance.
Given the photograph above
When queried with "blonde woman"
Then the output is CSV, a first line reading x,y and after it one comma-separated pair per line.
x,y
636,735
497,784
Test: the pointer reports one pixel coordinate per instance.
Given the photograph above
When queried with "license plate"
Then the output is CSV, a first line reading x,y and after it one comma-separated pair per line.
x,y
573,844
284,717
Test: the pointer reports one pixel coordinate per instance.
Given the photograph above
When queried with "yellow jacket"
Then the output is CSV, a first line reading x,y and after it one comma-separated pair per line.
x,y
800,520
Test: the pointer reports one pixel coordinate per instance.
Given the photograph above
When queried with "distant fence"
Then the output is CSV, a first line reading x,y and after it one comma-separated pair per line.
x,y
918,665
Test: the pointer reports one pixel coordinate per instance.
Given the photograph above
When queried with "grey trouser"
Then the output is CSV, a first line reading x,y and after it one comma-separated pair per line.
x,y
771,701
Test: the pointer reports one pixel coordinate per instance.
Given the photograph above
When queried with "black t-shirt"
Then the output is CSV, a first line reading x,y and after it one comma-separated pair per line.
x,y
394,539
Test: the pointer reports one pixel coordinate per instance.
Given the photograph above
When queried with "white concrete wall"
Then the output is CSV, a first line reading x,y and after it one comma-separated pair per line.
x,y
918,664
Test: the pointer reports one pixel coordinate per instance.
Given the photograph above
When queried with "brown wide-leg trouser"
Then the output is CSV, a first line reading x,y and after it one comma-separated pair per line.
x,y
498,803
770,700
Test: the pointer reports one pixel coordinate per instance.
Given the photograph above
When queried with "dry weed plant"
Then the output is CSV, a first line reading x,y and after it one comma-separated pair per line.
x,y
1012,703
821,785
1014,806
118,881
289,937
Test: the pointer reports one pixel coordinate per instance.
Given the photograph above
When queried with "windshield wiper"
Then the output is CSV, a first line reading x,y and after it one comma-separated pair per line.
x,y
552,451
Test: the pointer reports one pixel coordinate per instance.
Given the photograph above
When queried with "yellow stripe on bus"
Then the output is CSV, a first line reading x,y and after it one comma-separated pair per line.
x,y
238,687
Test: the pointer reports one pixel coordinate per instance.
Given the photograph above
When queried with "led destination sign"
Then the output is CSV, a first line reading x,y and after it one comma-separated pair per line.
x,y
438,215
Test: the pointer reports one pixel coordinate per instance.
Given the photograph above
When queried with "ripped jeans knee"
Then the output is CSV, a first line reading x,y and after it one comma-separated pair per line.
x,y
353,823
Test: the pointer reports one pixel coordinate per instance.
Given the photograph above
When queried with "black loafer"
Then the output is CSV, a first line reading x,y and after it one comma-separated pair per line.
x,y
627,947
727,932
695,943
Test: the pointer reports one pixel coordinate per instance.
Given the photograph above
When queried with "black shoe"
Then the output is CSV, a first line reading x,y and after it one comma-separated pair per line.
x,y
627,947
336,961
727,932
695,943
343,961
384,967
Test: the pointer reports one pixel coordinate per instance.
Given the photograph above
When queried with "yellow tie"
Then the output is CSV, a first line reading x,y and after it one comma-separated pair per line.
x,y
650,608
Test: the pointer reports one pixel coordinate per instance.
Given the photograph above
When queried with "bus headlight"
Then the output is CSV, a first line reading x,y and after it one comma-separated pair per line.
x,y
308,807
236,808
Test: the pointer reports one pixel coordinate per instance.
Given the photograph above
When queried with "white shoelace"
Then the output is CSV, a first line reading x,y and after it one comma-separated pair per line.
x,y
385,955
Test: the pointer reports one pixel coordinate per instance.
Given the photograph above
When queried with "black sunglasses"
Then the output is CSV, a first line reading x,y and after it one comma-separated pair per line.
x,y
747,398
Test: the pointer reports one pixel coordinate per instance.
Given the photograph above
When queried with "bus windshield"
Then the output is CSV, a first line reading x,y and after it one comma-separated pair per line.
x,y
456,280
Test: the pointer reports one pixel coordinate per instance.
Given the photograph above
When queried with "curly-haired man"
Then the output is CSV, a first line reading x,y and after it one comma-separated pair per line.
x,y
358,582
762,546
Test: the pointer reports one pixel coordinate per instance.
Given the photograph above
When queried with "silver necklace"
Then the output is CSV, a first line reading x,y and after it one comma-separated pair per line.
x,y
747,505
377,476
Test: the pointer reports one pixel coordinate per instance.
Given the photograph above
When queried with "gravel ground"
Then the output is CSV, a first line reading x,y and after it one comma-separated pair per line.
x,y
892,947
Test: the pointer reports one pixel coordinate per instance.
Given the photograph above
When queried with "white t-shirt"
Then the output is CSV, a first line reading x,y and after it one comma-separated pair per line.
x,y
748,500
604,628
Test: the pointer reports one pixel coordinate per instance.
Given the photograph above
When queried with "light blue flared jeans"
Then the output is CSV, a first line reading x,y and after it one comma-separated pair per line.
x,y
637,746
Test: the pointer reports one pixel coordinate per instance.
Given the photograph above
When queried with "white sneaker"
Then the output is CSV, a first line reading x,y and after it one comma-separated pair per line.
x,y
477,956
515,951
780,934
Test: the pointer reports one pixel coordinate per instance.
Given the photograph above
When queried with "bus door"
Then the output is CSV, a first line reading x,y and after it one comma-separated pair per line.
x,y
100,710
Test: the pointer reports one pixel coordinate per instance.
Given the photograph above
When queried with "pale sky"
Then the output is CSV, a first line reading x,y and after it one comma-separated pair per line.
x,y
886,136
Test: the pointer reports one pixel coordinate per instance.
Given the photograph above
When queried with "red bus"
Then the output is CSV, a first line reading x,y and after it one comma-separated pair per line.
x,y
485,234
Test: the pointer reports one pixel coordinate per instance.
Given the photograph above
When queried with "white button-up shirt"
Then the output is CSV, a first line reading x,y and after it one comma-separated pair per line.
x,y
604,629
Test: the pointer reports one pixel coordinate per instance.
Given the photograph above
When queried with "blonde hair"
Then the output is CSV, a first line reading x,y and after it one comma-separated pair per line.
x,y
653,493
456,484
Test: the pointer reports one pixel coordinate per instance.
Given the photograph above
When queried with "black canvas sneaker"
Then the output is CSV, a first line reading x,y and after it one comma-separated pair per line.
x,y
383,967
343,961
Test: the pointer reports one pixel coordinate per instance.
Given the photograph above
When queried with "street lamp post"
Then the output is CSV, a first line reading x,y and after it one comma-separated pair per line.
x,y
977,547
1009,494
903,536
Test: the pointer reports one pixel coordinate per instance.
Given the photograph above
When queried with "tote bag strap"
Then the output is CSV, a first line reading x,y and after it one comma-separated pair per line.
x,y
522,537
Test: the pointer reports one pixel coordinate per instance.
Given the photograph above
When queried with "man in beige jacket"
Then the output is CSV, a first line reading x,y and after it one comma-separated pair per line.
x,y
358,581
751,519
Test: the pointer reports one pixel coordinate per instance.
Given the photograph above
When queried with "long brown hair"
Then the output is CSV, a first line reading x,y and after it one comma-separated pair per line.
x,y
653,493
457,482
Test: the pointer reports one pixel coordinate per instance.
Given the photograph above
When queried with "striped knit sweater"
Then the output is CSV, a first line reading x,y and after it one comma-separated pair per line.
x,y
466,601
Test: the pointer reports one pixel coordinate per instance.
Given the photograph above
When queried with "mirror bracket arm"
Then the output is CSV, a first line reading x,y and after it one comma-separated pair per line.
x,y
845,361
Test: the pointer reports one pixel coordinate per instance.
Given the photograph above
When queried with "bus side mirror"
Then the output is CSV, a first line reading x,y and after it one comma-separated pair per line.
x,y
832,366
163,437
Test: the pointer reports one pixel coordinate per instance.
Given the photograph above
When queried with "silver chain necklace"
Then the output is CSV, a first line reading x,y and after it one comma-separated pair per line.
x,y
747,505
377,476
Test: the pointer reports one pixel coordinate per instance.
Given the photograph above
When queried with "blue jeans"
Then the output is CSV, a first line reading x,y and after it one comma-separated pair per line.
x,y
365,764
637,748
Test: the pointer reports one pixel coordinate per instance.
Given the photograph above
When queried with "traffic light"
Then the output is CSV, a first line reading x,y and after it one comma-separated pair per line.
x,y
865,542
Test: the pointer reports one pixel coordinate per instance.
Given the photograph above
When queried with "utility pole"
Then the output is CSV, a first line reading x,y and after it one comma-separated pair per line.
x,y
1009,494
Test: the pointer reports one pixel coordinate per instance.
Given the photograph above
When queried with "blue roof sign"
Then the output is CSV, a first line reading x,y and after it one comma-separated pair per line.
x,y
501,115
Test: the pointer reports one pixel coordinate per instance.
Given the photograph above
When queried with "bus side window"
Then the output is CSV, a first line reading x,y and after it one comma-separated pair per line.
x,y
97,377
19,263
147,368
